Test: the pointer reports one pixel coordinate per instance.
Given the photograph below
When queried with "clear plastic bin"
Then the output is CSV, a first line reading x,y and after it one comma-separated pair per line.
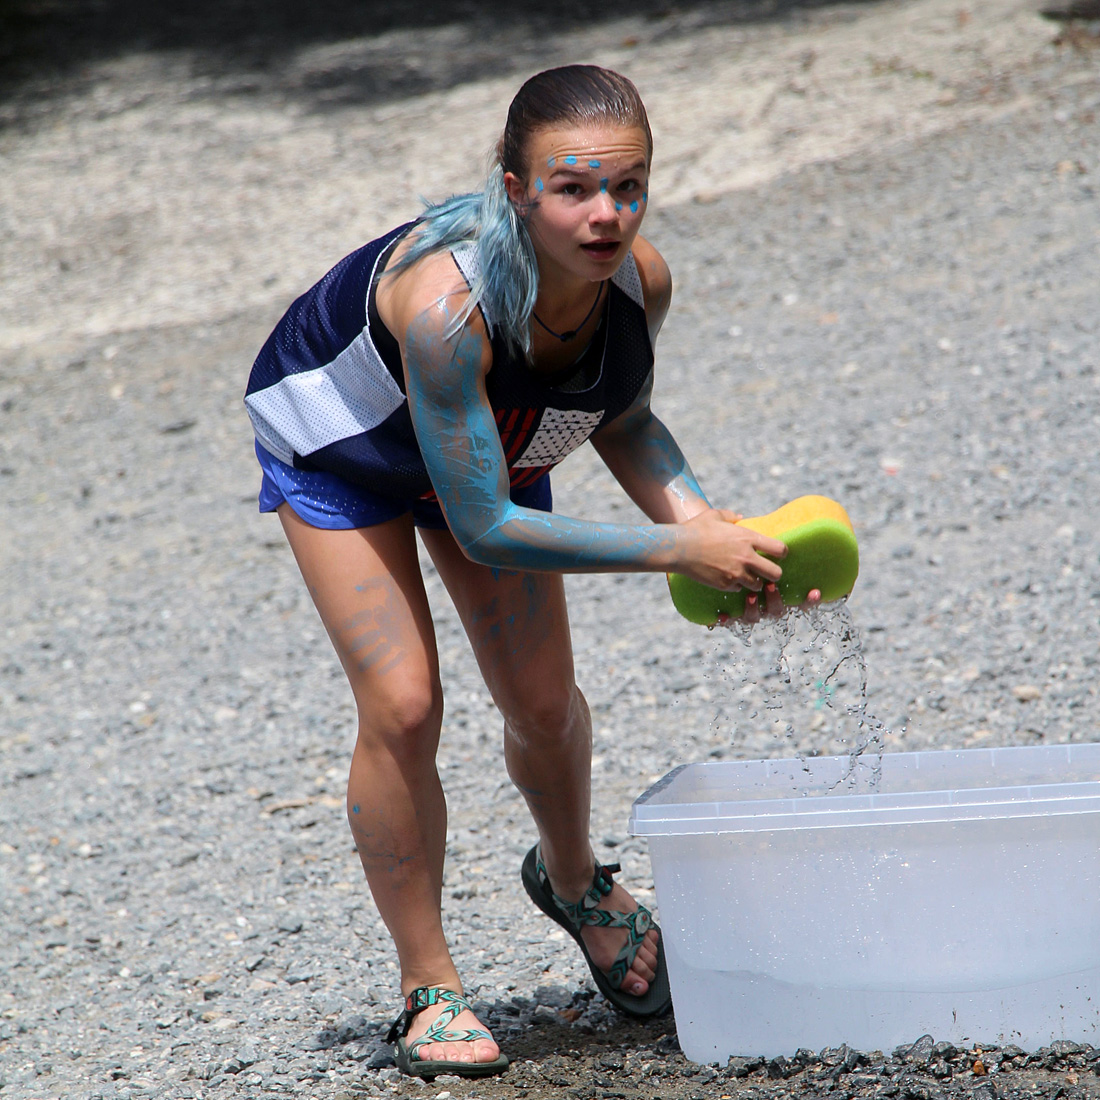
x,y
809,903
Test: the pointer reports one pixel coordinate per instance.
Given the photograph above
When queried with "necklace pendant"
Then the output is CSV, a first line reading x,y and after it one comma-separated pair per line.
x,y
565,337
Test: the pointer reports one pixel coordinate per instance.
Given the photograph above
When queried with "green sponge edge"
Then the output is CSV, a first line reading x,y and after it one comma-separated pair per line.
x,y
821,554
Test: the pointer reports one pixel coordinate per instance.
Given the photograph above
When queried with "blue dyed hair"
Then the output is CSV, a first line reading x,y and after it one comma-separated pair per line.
x,y
509,278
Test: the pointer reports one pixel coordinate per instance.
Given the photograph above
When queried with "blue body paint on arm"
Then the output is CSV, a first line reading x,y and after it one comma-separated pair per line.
x,y
645,458
461,446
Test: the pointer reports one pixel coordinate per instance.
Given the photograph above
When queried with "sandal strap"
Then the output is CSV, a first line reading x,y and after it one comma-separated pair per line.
x,y
424,997
587,912
419,999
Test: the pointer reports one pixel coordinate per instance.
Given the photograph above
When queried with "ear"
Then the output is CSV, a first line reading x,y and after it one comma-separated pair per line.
x,y
515,188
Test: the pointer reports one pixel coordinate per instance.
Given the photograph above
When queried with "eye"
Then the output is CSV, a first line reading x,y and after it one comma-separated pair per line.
x,y
629,185
572,189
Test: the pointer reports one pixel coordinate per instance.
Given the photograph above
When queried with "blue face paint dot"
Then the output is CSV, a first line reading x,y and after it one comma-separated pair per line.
x,y
551,161
538,184
355,808
593,164
618,206
603,185
645,196
570,160
634,208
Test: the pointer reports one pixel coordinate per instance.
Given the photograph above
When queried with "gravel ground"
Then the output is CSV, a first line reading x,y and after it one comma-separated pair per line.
x,y
910,327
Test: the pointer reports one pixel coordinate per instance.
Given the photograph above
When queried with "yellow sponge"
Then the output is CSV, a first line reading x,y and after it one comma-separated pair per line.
x,y
822,553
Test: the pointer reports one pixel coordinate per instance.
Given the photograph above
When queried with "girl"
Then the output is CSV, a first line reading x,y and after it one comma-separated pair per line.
x,y
431,380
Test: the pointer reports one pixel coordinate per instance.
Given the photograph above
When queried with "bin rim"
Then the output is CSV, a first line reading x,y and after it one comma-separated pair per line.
x,y
657,813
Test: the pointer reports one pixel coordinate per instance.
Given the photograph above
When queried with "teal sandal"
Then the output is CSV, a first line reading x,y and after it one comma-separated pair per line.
x,y
573,916
405,1054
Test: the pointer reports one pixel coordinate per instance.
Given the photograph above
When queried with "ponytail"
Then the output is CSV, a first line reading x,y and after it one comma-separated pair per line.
x,y
508,279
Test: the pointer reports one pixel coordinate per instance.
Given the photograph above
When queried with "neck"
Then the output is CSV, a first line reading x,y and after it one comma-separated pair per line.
x,y
563,298
573,326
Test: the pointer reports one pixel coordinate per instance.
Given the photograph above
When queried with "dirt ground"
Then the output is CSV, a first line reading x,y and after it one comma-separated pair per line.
x,y
183,172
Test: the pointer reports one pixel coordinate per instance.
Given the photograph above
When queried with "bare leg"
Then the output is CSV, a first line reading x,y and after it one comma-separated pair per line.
x,y
367,588
519,629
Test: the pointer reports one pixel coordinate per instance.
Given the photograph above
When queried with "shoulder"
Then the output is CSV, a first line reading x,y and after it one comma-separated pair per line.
x,y
656,280
420,303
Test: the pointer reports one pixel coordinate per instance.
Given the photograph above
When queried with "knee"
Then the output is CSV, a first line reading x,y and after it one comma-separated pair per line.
x,y
547,716
402,722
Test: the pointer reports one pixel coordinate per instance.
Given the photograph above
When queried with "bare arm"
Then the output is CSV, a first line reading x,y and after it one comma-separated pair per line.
x,y
637,448
646,461
461,446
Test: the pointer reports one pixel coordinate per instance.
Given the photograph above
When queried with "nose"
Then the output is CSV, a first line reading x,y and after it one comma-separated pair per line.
x,y
604,209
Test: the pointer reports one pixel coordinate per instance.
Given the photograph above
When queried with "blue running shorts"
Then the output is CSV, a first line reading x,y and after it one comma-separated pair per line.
x,y
330,502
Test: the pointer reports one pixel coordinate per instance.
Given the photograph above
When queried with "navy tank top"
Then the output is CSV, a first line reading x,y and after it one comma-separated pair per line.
x,y
327,390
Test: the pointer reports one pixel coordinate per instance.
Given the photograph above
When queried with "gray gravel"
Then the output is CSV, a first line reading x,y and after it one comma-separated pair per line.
x,y
913,331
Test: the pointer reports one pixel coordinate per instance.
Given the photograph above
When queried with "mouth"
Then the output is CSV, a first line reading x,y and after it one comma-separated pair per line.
x,y
601,250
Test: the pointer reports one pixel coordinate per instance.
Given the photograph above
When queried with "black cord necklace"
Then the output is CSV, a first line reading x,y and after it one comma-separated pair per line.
x,y
565,337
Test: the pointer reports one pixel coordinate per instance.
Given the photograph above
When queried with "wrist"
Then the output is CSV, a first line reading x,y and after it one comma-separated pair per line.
x,y
683,550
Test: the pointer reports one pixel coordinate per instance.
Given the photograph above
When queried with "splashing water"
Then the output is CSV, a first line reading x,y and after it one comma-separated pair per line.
x,y
799,682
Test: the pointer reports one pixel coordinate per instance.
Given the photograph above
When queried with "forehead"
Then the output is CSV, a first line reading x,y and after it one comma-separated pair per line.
x,y
610,142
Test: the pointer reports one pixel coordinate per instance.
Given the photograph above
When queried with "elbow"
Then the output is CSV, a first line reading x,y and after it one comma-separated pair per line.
x,y
482,543
488,548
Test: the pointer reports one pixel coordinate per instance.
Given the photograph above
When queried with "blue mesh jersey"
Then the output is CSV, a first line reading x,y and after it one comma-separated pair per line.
x,y
327,389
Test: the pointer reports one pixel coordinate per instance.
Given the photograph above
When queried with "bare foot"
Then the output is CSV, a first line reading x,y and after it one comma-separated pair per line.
x,y
604,944
477,1050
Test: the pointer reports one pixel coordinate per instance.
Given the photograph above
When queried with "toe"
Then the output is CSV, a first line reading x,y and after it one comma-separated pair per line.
x,y
644,968
476,1050
645,962
485,1050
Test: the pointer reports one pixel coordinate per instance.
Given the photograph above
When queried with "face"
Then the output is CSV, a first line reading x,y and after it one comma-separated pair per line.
x,y
585,195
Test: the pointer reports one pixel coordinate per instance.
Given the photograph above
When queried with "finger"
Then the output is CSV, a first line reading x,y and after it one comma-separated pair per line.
x,y
773,601
752,609
765,544
728,516
766,568
813,598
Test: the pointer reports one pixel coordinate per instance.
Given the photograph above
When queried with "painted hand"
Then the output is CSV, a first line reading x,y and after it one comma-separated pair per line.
x,y
728,557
